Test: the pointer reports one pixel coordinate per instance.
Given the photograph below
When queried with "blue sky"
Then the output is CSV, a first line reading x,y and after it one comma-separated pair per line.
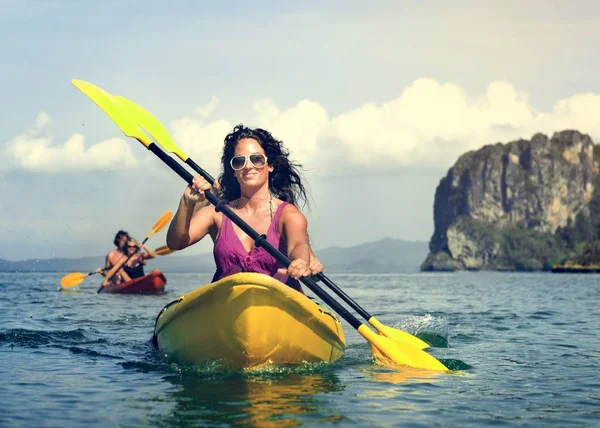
x,y
376,99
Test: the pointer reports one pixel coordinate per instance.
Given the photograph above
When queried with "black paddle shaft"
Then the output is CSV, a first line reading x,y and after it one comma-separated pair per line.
x,y
260,240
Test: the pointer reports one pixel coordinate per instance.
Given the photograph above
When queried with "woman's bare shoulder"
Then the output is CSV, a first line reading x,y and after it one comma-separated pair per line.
x,y
291,213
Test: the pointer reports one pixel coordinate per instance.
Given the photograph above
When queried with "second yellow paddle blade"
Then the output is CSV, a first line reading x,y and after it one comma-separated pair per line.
x,y
163,251
152,125
399,336
72,279
406,355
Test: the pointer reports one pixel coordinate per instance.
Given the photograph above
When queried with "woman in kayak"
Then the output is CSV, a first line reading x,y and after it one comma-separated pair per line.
x,y
134,267
263,187
131,265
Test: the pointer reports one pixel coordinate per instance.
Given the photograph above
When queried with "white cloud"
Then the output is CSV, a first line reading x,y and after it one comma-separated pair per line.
x,y
208,109
428,124
202,142
300,126
34,151
42,121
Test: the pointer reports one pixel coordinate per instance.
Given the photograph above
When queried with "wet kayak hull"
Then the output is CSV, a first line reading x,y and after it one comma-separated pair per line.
x,y
245,321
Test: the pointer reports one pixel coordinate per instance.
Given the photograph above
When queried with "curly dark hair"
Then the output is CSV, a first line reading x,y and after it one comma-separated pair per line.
x,y
285,182
119,235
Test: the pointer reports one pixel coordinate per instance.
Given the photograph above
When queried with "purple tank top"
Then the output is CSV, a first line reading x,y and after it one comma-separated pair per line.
x,y
231,256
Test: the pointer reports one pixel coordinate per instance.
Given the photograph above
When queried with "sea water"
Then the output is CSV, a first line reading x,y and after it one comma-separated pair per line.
x,y
524,349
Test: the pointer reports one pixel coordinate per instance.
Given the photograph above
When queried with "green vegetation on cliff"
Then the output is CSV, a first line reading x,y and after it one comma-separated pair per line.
x,y
524,249
515,248
581,238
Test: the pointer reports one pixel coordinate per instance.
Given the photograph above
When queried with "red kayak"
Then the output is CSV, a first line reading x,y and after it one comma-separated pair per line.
x,y
153,283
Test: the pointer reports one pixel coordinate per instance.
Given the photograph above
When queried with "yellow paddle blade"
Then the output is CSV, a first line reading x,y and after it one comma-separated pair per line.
x,y
113,109
152,125
161,223
399,336
387,350
164,250
72,279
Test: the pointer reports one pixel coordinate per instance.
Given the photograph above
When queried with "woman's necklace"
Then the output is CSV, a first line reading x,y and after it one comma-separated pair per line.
x,y
237,205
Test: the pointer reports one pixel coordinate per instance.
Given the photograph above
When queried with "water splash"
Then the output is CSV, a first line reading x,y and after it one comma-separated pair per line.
x,y
431,329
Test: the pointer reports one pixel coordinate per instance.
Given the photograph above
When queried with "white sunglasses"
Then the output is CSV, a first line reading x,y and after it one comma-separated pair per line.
x,y
239,162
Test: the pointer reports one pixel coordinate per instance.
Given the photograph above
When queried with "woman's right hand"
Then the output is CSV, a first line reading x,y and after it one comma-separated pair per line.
x,y
194,193
315,265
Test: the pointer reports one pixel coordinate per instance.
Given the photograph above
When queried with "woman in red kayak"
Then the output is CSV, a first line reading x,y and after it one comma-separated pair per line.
x,y
263,187
132,263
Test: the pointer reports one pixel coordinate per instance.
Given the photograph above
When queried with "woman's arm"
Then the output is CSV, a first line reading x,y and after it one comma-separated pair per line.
x,y
117,268
107,265
294,228
149,253
190,225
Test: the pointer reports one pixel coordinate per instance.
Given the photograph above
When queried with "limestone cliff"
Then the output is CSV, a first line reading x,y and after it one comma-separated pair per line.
x,y
539,185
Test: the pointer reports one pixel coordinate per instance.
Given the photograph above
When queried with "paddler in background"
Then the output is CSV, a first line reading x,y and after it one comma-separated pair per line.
x,y
263,187
114,256
130,265
137,259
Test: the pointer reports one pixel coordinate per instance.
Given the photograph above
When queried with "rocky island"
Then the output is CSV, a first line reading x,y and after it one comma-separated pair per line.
x,y
525,205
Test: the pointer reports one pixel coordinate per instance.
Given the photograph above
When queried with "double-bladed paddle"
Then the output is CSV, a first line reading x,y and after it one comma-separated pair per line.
x,y
129,117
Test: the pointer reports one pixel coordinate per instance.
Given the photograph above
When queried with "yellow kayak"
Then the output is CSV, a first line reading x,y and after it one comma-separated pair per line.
x,y
248,320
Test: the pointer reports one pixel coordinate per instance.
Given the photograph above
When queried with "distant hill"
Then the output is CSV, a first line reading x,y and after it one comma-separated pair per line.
x,y
384,256
171,263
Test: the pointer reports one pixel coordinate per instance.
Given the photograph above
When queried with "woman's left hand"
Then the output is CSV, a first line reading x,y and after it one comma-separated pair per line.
x,y
296,269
